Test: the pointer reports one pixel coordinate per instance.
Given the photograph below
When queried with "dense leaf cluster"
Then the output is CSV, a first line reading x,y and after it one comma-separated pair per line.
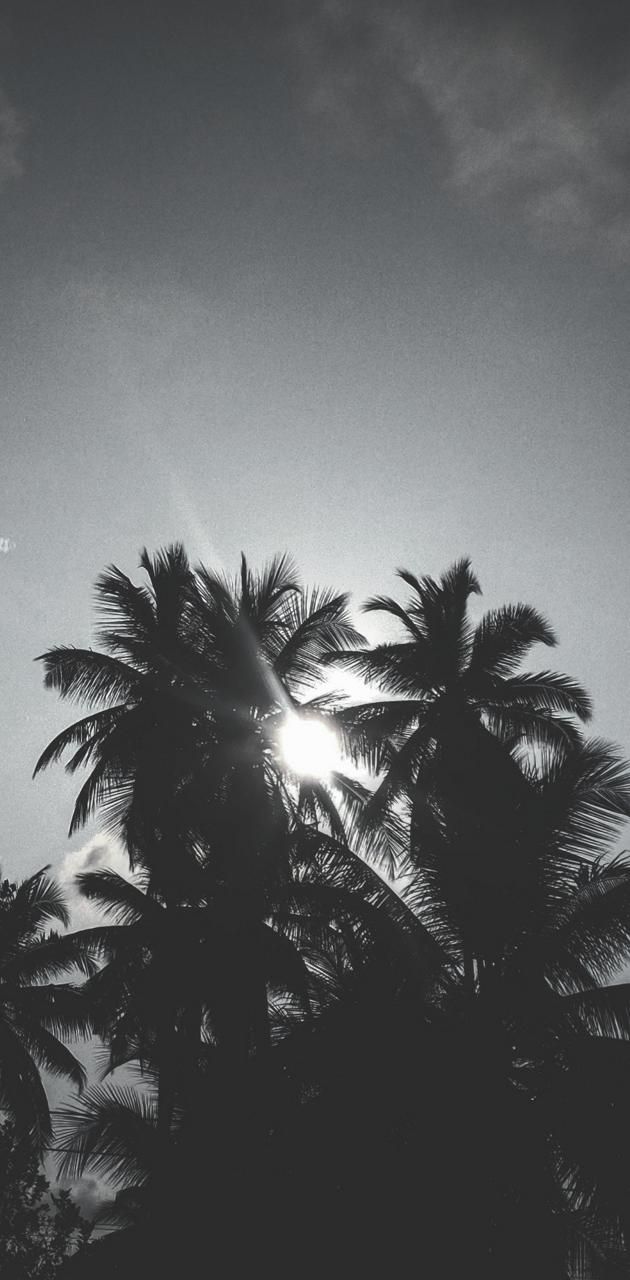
x,y
38,1230
351,1020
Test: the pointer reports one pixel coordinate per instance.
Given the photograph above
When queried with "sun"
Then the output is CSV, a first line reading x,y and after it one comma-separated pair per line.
x,y
309,747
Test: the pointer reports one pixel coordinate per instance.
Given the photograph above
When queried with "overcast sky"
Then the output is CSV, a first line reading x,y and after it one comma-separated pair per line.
x,y
345,278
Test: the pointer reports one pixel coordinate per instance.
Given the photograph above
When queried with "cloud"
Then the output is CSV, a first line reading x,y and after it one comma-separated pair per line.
x,y
520,123
100,852
90,1194
6,545
12,130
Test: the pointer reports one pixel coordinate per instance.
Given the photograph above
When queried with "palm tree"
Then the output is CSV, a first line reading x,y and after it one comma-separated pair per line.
x,y
503,1108
261,643
543,1031
502,811
37,1013
190,668
453,690
195,676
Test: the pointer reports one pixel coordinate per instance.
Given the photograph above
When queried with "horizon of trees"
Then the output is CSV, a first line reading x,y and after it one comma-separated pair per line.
x,y
351,1020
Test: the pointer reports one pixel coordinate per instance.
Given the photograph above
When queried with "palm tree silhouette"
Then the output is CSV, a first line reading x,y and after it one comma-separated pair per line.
x,y
196,674
193,668
548,923
346,1050
37,1013
452,688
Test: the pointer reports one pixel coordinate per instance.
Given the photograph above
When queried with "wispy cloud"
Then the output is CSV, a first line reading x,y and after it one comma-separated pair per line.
x,y
12,130
520,131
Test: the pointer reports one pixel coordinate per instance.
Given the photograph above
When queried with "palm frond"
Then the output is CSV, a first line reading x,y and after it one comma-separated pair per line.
x,y
107,783
37,901
522,729
168,565
387,604
110,1131
22,1093
118,898
128,614
603,1011
45,1049
593,924
330,864
544,691
59,1008
266,592
586,798
368,731
315,625
317,805
85,675
505,635
91,729
172,585
215,597
428,592
455,633
46,958
459,582
403,670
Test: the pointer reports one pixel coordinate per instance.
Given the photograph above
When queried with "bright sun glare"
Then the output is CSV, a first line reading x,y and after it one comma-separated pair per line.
x,y
309,747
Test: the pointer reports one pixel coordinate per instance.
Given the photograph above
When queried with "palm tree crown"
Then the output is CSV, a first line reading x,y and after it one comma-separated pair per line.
x,y
452,686
186,693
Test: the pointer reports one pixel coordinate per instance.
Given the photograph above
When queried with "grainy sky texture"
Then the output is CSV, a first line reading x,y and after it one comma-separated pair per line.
x,y
347,278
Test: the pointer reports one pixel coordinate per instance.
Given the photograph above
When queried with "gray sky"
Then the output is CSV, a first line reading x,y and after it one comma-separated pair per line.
x,y
347,278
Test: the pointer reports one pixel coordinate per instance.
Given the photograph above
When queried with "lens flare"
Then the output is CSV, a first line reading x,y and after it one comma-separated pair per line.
x,y
309,747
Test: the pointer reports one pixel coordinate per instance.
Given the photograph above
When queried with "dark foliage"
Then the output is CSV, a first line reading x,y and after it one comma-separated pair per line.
x,y
371,1019
37,1013
38,1229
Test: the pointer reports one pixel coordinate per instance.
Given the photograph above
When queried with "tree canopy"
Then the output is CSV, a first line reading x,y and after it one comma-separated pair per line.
x,y
38,1229
371,1013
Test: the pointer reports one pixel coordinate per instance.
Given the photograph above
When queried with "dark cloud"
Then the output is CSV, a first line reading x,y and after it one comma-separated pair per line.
x,y
89,1194
530,106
